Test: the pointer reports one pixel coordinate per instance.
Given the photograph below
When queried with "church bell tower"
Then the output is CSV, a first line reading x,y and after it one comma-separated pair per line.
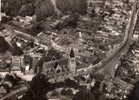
x,y
72,62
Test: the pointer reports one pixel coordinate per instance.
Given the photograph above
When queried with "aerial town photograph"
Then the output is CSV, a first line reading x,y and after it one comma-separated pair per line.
x,y
69,49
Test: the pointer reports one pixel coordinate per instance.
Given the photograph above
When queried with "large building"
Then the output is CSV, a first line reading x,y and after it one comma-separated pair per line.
x,y
60,67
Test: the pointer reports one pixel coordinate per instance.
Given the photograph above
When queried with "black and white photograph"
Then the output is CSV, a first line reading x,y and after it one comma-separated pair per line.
x,y
69,49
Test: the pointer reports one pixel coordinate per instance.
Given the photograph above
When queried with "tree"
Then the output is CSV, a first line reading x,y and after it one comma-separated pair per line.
x,y
84,95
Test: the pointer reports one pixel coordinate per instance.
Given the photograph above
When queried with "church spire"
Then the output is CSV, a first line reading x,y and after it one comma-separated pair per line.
x,y
72,54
